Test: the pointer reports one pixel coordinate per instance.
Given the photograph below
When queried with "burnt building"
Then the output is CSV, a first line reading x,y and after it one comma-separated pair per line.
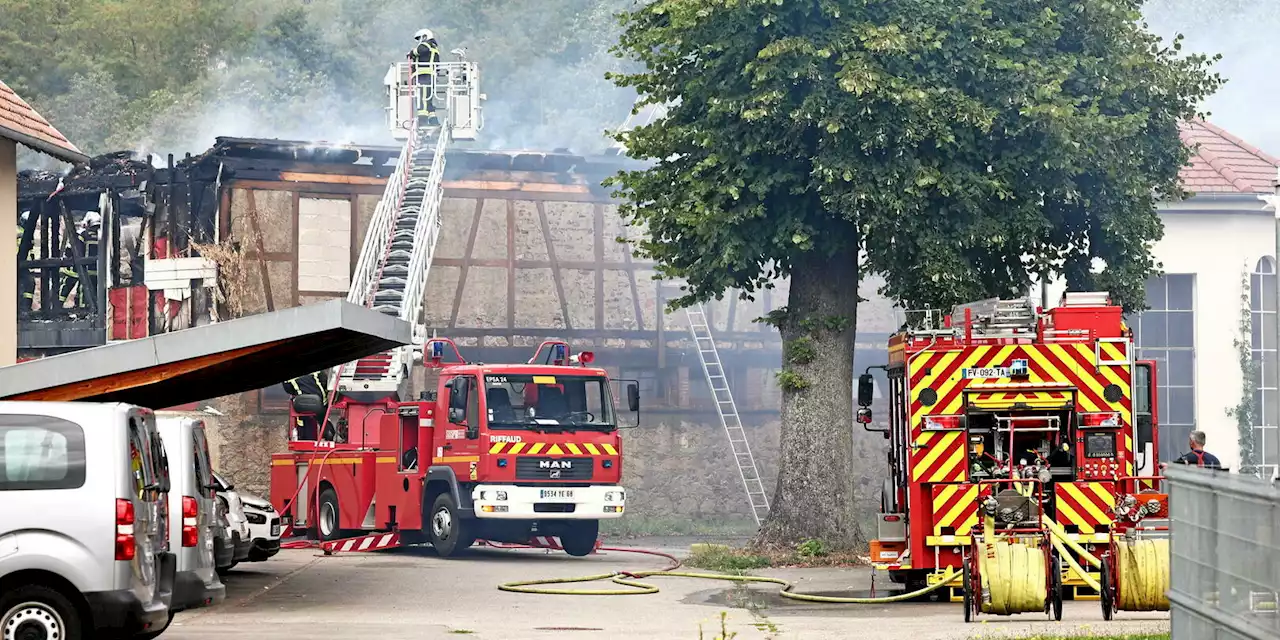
x,y
528,251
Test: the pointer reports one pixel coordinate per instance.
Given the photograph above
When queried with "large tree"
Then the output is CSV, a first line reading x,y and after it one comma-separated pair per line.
x,y
956,147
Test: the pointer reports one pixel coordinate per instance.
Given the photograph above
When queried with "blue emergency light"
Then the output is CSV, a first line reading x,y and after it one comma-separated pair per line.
x,y
559,353
437,349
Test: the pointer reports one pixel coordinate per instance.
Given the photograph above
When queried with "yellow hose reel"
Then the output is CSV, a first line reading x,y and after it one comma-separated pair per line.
x,y
1009,574
1135,576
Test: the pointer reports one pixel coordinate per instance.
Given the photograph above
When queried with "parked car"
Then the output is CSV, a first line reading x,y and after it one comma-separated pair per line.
x,y
264,527
237,536
193,514
81,539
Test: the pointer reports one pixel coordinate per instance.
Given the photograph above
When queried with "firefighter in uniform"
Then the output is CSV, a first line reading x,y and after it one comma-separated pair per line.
x,y
87,242
424,56
316,384
24,275
1198,456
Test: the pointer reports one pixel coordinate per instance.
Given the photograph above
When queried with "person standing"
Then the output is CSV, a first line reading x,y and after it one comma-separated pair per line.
x,y
1198,456
424,56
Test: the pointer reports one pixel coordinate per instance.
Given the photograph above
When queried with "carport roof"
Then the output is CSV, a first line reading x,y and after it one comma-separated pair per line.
x,y
209,361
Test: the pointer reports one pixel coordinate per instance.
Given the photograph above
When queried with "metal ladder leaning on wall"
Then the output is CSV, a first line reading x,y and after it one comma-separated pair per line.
x,y
714,372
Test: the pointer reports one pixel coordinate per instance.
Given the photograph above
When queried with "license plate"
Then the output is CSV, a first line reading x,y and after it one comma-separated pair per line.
x,y
275,529
555,493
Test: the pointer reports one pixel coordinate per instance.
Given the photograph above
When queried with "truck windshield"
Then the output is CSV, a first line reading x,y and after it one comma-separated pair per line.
x,y
556,402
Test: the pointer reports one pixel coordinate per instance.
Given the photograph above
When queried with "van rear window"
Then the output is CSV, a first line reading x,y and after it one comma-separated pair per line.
x,y
40,453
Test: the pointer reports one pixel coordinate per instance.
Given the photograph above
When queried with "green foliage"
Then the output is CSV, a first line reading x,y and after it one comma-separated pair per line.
x,y
1245,411
724,634
791,381
799,351
170,75
964,147
718,557
812,548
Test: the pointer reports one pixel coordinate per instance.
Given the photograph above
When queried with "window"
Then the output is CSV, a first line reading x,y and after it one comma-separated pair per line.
x,y
1165,333
203,461
324,245
1262,296
40,453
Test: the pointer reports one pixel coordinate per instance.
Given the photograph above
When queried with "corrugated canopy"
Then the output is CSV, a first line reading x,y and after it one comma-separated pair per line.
x,y
210,361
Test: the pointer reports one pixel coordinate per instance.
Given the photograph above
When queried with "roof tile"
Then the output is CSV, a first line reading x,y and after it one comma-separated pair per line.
x,y
16,116
1224,163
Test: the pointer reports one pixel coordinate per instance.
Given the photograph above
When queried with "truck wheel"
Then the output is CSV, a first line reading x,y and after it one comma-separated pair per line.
x,y
580,539
449,534
37,611
327,519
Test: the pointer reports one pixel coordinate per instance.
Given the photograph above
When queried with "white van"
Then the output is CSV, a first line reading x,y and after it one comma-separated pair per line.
x,y
82,549
191,513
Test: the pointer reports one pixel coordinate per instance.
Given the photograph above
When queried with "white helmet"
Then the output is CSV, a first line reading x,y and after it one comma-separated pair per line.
x,y
92,219
424,34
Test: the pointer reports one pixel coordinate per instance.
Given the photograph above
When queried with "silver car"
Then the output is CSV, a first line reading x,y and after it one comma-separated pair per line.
x,y
192,515
82,546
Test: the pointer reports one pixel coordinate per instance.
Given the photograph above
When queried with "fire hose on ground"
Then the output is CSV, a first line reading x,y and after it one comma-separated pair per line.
x,y
631,579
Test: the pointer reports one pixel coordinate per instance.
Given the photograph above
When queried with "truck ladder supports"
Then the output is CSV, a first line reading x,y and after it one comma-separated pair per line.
x,y
728,411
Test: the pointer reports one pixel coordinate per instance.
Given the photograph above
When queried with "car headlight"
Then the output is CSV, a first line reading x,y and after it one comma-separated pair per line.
x,y
255,518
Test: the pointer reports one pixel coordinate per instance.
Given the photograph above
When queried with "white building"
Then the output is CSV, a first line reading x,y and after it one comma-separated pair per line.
x,y
1218,258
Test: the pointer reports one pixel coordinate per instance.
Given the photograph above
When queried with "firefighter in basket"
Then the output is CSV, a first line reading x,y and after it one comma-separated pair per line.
x,y
424,55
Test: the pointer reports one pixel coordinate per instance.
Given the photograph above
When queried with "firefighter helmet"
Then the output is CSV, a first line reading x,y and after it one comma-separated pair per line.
x,y
424,34
92,219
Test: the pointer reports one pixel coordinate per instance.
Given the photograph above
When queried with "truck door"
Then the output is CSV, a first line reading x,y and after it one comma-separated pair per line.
x,y
1146,416
460,448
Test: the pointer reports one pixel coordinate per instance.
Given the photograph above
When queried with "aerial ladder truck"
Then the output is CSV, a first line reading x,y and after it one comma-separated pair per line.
x,y
511,453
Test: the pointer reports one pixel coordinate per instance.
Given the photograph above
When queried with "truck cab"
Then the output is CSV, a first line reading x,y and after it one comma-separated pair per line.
x,y
499,452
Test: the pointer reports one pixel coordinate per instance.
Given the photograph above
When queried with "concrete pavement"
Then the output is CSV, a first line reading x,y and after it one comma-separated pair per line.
x,y
411,593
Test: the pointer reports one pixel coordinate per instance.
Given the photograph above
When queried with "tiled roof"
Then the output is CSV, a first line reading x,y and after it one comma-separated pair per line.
x,y
1224,163
21,123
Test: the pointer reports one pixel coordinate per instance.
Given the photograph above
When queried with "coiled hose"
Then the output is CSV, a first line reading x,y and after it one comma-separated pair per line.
x,y
1013,577
630,579
1142,575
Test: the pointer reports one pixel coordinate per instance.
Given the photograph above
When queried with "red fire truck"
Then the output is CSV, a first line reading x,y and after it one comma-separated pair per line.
x,y
497,452
1008,391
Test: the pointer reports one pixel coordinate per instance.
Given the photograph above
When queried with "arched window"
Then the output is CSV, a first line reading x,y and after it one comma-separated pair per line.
x,y
1262,295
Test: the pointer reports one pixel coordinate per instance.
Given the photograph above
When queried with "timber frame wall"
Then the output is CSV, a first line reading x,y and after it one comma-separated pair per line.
x,y
499,209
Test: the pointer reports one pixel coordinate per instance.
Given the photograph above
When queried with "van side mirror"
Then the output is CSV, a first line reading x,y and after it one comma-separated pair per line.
x,y
633,397
866,389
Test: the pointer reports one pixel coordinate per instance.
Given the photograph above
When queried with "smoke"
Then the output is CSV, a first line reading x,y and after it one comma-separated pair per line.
x,y
1244,32
315,73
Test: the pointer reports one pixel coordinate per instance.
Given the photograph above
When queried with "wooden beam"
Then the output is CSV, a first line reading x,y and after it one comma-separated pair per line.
x,y
468,192
511,263
631,270
535,187
553,263
330,178
138,378
466,263
251,210
297,245
597,236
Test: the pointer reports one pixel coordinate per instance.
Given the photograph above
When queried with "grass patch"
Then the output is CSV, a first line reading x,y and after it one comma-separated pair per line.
x,y
632,527
810,553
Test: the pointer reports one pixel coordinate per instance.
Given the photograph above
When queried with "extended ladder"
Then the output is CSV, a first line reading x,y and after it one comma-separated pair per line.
x,y
714,372
400,244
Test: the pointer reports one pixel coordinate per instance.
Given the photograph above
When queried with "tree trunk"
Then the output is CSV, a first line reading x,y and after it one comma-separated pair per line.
x,y
815,493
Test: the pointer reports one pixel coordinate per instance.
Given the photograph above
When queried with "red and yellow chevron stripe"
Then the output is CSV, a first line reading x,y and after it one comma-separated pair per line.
x,y
938,388
940,456
1085,504
549,449
1028,398
955,506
